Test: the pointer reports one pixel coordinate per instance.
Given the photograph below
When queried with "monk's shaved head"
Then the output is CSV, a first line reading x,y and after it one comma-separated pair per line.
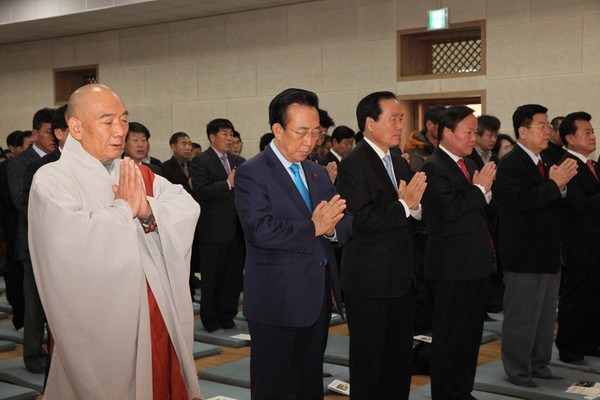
x,y
97,118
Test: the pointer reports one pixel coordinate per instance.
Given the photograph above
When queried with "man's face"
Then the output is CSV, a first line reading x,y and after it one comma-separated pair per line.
x,y
584,140
432,131
44,138
461,141
487,140
298,138
343,147
535,136
196,151
61,136
26,143
100,125
221,140
183,148
386,132
136,146
236,146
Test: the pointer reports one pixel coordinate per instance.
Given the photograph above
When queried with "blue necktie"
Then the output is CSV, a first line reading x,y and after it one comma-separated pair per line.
x,y
388,167
300,185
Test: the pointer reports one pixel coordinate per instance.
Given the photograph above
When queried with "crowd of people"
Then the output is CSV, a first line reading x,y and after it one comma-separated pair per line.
x,y
104,243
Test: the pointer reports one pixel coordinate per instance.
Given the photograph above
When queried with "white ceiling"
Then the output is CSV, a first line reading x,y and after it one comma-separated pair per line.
x,y
26,20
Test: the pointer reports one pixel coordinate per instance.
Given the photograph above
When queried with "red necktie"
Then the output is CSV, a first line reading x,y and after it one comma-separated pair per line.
x,y
541,169
463,168
591,167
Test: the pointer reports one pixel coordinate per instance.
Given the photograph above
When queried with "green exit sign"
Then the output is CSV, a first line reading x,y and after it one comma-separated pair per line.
x,y
438,19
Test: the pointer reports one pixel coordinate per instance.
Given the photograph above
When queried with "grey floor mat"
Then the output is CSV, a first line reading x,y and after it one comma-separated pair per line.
x,y
592,367
2,285
222,338
494,326
490,377
237,373
5,306
8,332
424,393
202,350
14,371
7,345
9,391
213,389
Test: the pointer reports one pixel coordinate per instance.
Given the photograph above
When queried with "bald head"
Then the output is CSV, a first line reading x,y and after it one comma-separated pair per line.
x,y
98,120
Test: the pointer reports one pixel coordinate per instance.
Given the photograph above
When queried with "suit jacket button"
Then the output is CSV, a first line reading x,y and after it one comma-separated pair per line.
x,y
322,263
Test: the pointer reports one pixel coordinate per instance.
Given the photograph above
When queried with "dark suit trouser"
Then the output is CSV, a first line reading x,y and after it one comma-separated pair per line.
x,y
286,363
221,269
34,355
528,326
459,311
13,274
381,332
579,310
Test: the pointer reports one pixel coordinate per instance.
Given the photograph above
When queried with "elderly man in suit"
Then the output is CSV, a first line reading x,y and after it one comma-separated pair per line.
x,y
529,196
458,255
291,216
377,263
34,355
220,237
578,329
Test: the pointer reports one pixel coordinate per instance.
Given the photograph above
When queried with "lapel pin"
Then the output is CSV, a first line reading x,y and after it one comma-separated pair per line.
x,y
314,175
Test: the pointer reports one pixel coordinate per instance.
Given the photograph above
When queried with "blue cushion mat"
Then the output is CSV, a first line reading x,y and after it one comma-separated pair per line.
x,y
224,337
336,319
494,326
196,308
8,332
490,377
424,393
6,345
202,350
14,392
5,305
593,366
213,389
14,371
238,373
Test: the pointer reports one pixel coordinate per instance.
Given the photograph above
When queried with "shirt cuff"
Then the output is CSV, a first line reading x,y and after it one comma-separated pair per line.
x,y
416,214
332,238
488,195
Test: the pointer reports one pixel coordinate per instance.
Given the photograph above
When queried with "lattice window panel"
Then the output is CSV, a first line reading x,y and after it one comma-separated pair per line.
x,y
456,57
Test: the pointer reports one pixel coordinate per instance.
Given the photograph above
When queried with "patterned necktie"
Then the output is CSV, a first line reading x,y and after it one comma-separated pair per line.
x,y
186,170
388,167
225,164
591,167
541,169
463,168
300,185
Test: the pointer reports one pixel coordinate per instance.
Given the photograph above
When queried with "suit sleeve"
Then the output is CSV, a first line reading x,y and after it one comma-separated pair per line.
x,y
355,184
15,173
445,201
206,187
577,197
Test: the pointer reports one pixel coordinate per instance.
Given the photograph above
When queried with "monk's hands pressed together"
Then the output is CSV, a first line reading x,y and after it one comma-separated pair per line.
x,y
327,214
131,190
485,177
412,193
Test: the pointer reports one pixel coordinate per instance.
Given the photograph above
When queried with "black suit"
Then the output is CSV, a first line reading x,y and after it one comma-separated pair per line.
x,y
172,171
458,263
330,157
578,328
478,160
221,241
377,276
528,206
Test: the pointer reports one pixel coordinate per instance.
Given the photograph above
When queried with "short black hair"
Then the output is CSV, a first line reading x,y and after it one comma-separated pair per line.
x,y
327,139
21,138
279,105
265,140
58,120
369,107
196,146
452,117
359,137
214,126
433,114
237,135
501,137
523,115
42,116
325,120
342,132
568,127
175,137
11,139
487,122
556,121
137,127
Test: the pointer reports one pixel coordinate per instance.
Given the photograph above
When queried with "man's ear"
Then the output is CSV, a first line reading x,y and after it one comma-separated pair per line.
x,y
277,130
522,132
369,122
75,128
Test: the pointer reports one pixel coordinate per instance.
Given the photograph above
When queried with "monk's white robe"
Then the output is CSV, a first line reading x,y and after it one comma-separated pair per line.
x,y
91,260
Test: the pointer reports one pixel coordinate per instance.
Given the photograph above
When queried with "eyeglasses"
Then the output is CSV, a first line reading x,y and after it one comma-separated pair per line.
x,y
541,126
303,133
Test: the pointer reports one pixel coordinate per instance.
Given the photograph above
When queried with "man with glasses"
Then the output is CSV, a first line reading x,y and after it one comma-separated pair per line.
x,y
529,195
291,216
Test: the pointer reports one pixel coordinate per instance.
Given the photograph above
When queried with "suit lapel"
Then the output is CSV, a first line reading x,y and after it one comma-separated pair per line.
x,y
376,165
218,165
529,165
311,181
454,167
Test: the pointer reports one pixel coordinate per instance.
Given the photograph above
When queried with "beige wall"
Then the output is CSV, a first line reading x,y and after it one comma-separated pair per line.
x,y
178,76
